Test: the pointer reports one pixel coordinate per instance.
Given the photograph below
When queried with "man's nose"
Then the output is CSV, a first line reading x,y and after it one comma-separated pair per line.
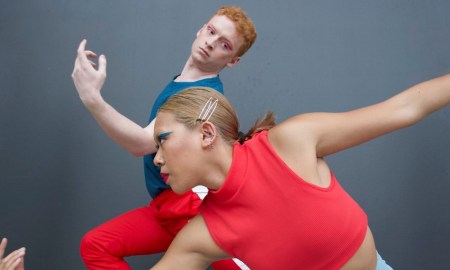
x,y
210,42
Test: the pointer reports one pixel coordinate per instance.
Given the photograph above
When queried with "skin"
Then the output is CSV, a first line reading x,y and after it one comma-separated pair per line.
x,y
14,260
321,134
177,161
215,47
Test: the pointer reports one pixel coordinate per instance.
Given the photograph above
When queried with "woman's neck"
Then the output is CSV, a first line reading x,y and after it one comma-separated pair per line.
x,y
219,160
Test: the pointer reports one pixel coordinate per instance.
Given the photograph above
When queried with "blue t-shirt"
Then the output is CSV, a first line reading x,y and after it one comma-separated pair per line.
x,y
155,184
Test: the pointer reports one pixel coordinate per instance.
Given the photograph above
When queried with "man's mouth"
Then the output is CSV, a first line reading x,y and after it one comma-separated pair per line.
x,y
204,51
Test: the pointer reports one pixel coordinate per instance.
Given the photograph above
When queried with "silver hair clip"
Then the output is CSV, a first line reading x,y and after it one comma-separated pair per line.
x,y
208,110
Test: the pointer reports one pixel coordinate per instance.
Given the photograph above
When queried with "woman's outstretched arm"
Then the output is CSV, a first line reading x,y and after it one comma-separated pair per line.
x,y
329,133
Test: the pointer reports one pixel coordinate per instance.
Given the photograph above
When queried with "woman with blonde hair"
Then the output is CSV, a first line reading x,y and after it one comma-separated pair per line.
x,y
273,202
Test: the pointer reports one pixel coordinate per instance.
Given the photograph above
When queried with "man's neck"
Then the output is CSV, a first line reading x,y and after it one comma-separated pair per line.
x,y
192,72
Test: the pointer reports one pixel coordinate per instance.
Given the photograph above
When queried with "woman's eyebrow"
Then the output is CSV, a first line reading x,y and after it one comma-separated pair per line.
x,y
160,136
164,134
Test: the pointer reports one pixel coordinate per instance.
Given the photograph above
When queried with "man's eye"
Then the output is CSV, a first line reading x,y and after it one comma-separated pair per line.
x,y
226,45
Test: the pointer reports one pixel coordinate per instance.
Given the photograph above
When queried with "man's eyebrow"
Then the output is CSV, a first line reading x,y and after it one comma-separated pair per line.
x,y
211,26
225,38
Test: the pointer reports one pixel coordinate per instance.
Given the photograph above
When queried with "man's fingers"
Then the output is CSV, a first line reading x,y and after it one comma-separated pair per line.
x,y
102,64
90,54
81,54
84,55
82,46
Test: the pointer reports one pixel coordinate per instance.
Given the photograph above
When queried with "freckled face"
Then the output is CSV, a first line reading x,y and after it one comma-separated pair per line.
x,y
178,152
217,43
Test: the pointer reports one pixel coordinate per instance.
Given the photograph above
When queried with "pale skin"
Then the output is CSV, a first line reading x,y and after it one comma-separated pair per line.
x,y
214,48
14,260
321,134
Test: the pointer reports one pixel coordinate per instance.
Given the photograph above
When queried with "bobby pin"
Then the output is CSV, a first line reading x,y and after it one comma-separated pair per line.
x,y
208,110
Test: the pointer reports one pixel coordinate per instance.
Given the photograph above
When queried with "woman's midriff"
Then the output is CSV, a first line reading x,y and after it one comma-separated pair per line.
x,y
365,257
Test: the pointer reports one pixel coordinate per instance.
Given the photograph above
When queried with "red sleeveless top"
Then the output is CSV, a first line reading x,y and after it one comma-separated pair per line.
x,y
270,218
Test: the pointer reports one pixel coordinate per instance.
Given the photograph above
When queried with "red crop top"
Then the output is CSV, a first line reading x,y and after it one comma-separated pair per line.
x,y
270,218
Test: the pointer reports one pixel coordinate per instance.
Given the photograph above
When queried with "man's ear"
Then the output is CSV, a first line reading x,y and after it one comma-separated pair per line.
x,y
199,30
209,133
234,61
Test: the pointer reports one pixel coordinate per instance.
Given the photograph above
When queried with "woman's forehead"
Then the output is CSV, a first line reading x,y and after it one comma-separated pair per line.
x,y
164,118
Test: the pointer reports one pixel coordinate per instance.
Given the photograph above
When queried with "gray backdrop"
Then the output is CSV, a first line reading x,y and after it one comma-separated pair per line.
x,y
60,175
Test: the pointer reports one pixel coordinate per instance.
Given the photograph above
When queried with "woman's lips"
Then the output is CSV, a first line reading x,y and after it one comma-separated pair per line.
x,y
165,176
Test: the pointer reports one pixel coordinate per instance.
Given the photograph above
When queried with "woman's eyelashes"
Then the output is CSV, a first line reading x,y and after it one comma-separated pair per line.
x,y
162,138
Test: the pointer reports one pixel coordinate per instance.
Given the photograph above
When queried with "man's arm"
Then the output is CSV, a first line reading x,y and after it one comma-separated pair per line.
x,y
192,249
88,82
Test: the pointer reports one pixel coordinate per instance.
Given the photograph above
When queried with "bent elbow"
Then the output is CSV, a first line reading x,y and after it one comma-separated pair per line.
x,y
143,150
137,153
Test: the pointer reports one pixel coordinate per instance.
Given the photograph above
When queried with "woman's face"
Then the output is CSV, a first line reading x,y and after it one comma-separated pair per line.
x,y
179,152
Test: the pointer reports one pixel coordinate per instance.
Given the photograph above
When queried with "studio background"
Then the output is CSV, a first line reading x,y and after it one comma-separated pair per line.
x,y
60,175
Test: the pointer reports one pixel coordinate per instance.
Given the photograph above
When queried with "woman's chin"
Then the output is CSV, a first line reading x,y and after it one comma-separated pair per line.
x,y
179,190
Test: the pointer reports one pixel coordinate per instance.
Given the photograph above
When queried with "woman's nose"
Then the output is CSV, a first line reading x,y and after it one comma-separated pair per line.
x,y
158,160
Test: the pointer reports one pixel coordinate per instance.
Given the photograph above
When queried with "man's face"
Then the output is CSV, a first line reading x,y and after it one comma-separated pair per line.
x,y
217,44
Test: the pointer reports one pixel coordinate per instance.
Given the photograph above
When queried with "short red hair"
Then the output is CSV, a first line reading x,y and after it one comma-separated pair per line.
x,y
244,26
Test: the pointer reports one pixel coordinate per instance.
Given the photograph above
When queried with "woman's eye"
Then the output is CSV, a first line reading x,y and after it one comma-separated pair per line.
x,y
163,137
160,142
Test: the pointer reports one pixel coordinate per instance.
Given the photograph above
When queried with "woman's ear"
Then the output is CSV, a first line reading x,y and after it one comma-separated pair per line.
x,y
209,134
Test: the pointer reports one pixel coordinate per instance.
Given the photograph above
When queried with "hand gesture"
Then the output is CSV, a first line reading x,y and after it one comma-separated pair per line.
x,y
14,261
87,79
